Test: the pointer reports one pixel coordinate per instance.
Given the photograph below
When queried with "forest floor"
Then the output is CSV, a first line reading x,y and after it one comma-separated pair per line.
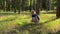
x,y
11,23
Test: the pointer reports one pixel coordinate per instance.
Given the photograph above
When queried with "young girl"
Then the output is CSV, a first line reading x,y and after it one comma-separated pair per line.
x,y
35,17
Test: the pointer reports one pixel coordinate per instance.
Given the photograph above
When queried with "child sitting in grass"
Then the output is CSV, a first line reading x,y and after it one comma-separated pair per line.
x,y
35,17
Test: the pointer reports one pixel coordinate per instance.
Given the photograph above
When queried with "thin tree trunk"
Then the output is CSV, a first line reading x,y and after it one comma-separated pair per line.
x,y
19,3
31,5
34,4
23,5
3,5
52,5
58,9
38,6
47,5
14,2
8,5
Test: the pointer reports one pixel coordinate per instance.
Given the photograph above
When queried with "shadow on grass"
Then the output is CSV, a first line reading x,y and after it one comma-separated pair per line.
x,y
5,14
7,20
26,29
50,20
49,12
25,13
57,32
30,28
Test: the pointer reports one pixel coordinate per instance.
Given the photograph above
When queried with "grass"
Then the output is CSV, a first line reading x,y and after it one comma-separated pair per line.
x,y
11,23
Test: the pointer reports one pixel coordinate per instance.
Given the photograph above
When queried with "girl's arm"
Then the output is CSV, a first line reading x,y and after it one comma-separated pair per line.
x,y
37,17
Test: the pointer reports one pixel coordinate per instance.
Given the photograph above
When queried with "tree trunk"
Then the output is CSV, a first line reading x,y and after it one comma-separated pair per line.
x,y
52,5
8,5
23,5
14,2
3,5
38,6
19,3
34,4
31,5
58,9
47,5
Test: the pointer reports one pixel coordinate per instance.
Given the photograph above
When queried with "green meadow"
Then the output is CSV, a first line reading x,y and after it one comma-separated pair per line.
x,y
14,23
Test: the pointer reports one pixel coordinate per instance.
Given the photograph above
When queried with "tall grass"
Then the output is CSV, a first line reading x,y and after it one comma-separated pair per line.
x,y
20,24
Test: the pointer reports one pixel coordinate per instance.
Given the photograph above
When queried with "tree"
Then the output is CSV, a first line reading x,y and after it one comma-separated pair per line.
x,y
34,5
47,5
19,3
38,6
1,5
43,4
52,4
8,5
31,5
58,9
14,3
23,5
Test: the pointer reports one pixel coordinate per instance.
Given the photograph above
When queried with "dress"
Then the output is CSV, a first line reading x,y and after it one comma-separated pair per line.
x,y
35,18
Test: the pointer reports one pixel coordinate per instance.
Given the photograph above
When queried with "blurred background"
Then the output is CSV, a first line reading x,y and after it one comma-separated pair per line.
x,y
15,16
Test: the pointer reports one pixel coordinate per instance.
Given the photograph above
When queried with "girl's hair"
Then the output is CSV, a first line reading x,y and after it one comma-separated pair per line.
x,y
32,11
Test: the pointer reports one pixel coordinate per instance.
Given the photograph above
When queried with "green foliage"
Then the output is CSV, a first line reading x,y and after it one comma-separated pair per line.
x,y
43,4
27,4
